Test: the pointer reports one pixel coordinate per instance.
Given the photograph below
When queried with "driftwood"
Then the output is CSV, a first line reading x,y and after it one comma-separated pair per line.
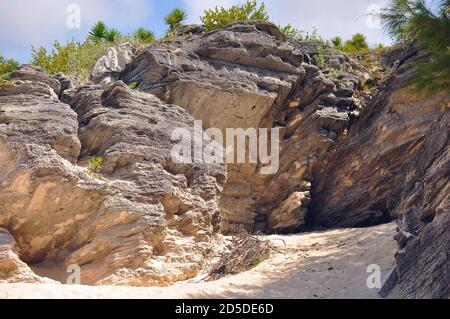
x,y
247,251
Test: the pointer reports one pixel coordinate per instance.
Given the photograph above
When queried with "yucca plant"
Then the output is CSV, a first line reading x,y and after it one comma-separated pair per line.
x,y
113,35
175,19
144,36
99,31
415,21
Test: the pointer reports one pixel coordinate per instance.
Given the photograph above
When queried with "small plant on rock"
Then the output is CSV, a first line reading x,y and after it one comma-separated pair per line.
x,y
96,164
291,32
133,85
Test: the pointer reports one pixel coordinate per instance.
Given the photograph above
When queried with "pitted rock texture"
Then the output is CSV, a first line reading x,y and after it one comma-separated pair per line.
x,y
141,220
247,75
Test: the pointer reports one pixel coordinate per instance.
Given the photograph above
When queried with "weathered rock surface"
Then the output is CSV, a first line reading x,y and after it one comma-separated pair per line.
x,y
423,259
394,157
142,220
247,75
12,269
109,67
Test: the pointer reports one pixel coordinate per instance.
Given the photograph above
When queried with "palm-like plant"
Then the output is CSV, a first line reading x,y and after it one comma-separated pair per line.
x,y
99,31
144,36
112,35
175,19
415,21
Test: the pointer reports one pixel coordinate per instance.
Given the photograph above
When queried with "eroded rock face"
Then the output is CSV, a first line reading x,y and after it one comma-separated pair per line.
x,y
12,269
394,157
423,260
141,220
247,75
109,67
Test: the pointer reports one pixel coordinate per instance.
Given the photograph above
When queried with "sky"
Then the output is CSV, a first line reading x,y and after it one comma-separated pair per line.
x,y
27,23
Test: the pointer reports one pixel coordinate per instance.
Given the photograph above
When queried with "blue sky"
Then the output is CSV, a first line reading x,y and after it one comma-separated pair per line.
x,y
26,23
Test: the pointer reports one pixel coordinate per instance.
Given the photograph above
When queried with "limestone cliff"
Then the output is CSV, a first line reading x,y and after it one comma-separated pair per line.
x,y
348,157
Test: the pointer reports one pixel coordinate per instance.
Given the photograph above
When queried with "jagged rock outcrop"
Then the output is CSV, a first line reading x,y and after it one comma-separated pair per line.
x,y
395,156
140,220
109,67
247,75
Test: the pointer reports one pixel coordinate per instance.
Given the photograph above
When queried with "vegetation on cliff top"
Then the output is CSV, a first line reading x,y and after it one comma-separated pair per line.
x,y
413,21
6,67
405,20
175,20
218,18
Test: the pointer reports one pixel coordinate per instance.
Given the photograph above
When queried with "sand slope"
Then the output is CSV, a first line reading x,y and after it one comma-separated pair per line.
x,y
329,264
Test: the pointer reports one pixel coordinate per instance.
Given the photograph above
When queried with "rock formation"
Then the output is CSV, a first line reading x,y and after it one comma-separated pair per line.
x,y
12,269
247,75
109,67
139,220
347,157
395,156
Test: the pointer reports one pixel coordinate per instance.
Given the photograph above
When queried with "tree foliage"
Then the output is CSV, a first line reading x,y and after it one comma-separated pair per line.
x,y
415,21
218,18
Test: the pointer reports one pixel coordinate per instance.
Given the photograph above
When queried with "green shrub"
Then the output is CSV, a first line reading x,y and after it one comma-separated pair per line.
x,y
133,85
320,57
337,43
291,32
175,20
357,44
143,36
218,18
113,36
74,58
6,67
96,164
